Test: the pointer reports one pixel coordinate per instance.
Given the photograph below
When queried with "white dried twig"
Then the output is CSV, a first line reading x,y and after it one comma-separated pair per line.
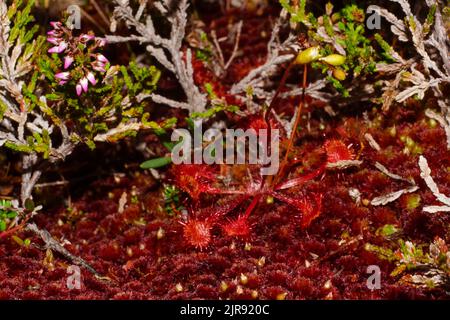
x,y
394,176
257,78
425,173
443,121
355,194
313,90
372,142
222,66
344,164
167,51
392,196
54,245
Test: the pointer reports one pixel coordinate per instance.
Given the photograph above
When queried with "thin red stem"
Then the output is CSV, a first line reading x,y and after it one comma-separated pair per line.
x,y
269,111
296,123
277,93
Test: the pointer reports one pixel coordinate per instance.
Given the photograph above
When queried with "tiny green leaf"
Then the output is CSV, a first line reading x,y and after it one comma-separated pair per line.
x,y
156,163
387,230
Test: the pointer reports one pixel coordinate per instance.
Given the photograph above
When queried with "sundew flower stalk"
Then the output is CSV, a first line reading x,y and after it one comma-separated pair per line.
x,y
81,64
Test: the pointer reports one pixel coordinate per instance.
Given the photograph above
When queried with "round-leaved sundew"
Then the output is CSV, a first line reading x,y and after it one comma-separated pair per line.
x,y
197,233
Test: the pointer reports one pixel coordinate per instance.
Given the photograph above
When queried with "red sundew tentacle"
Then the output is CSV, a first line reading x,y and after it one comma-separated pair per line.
x,y
297,203
229,206
197,233
310,209
301,180
220,191
194,179
237,228
240,227
338,151
313,212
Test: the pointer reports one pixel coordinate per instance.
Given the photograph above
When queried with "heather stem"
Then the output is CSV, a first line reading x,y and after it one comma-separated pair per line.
x,y
29,178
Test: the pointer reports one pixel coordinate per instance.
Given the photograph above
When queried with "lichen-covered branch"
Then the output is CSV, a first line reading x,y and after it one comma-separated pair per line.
x,y
425,173
277,54
167,51
430,41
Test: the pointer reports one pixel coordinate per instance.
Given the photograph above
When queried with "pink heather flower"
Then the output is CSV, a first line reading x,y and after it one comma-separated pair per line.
x,y
63,75
79,89
63,45
68,60
86,37
56,24
54,50
54,33
54,40
58,49
64,42
84,84
100,42
101,58
91,78
100,67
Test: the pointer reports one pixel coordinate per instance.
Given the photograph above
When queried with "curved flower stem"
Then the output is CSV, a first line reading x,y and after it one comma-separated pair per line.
x,y
269,111
277,93
295,126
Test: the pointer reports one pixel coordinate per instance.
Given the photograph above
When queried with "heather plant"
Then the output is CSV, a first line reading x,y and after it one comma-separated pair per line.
x,y
343,32
102,112
57,92
6,214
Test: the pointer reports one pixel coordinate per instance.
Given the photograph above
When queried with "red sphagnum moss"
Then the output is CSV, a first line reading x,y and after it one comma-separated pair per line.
x,y
325,260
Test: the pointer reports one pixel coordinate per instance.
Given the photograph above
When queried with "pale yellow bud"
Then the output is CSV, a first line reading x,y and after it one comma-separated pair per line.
x,y
334,59
307,56
339,74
